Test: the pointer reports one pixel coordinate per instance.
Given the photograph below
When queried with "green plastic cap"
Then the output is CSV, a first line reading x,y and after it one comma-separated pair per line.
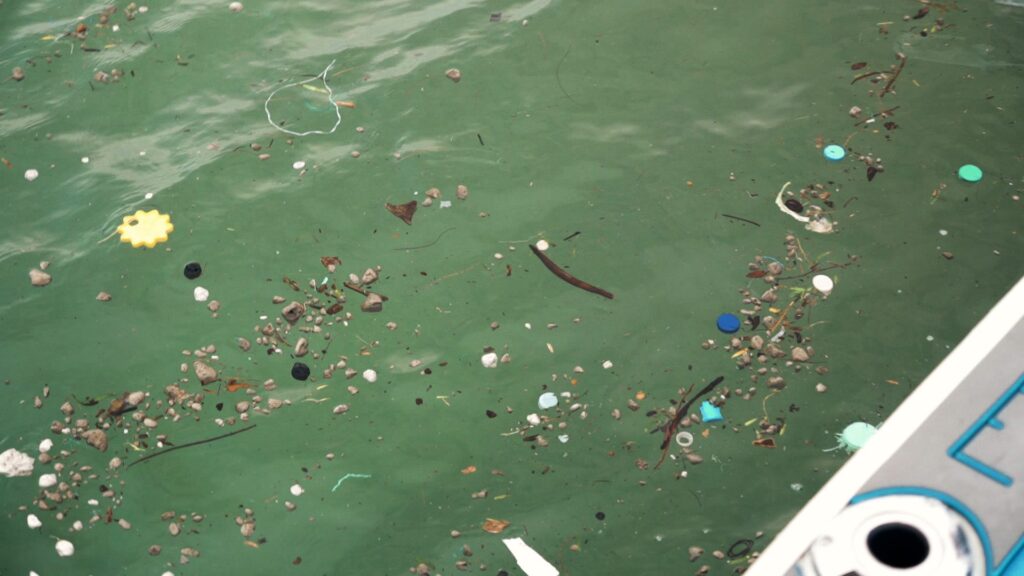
x,y
969,173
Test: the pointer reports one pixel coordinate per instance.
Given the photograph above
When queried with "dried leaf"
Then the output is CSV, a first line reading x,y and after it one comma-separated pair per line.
x,y
765,442
756,274
921,13
468,470
871,173
236,385
495,526
404,212
858,65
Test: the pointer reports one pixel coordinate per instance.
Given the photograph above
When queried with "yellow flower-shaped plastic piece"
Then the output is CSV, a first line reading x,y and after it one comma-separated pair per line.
x,y
145,228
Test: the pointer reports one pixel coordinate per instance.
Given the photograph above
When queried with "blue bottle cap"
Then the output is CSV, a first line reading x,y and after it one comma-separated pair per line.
x,y
709,412
969,173
835,152
728,323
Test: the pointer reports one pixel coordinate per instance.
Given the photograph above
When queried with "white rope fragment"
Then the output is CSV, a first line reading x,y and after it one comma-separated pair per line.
x,y
330,98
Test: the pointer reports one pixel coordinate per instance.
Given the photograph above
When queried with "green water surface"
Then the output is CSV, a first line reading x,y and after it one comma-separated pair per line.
x,y
637,125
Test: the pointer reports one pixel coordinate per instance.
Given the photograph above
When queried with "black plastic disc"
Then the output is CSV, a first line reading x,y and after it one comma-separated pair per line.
x,y
193,270
300,371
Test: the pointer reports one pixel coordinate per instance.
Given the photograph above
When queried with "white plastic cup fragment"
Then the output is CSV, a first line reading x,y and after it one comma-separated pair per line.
x,y
296,490
45,446
542,245
547,400
31,174
200,294
235,7
64,548
489,360
33,522
823,284
533,419
370,375
607,364
298,165
47,480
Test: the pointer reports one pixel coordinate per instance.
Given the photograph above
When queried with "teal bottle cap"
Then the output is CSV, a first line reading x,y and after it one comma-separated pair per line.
x,y
969,173
835,152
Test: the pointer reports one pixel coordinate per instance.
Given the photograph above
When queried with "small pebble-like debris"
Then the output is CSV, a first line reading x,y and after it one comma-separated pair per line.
x,y
115,463
47,480
820,388
154,550
301,347
64,548
45,445
453,74
30,175
244,344
200,294
33,521
67,408
340,409
204,372
296,490
489,360
607,364
947,255
96,438
124,524
292,312
695,553
235,7
694,458
242,406
17,74
38,277
798,354
103,297
174,528
213,306
373,303
370,375
461,192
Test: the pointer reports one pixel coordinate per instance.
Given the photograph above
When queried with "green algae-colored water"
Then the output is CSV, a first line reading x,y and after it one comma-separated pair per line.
x,y
638,127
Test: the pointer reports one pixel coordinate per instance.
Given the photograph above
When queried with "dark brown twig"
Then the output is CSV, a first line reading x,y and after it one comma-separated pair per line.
x,y
741,219
670,428
190,444
892,79
569,277
355,288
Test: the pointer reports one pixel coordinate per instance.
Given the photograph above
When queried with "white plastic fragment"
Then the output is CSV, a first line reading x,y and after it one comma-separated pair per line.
x,y
64,548
533,419
542,245
200,294
31,174
446,203
45,446
547,400
235,7
785,209
532,563
85,159
607,364
563,438
298,165
33,521
823,284
370,375
14,463
47,480
296,490
489,360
